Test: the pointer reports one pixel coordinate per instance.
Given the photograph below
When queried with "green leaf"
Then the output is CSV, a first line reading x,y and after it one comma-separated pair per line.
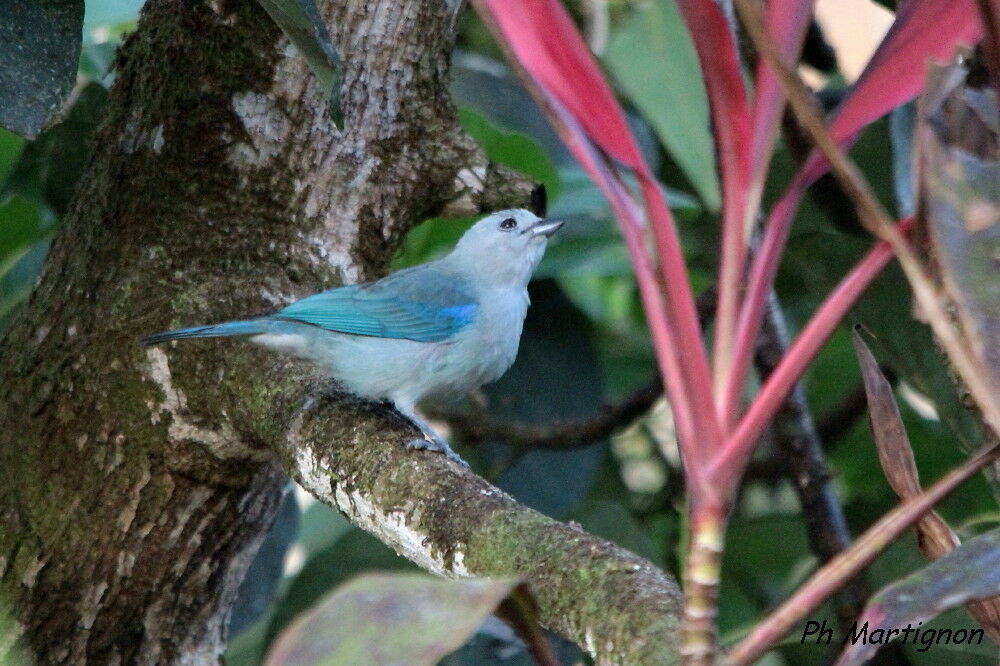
x,y
512,149
302,24
390,619
104,13
49,167
21,226
351,554
11,146
41,49
652,58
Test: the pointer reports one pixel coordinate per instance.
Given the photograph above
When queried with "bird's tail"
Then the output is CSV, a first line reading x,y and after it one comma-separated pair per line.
x,y
229,328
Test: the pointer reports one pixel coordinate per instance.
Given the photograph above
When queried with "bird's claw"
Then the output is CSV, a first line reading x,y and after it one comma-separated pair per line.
x,y
424,444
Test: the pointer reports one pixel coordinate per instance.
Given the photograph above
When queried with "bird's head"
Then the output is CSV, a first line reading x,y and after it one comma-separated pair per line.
x,y
505,247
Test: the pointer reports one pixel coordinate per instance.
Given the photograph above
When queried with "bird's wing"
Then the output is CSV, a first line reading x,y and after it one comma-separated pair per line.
x,y
414,304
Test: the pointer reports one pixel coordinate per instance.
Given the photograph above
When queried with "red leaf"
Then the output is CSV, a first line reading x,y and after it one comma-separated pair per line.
x,y
923,30
713,41
786,21
559,69
546,43
726,95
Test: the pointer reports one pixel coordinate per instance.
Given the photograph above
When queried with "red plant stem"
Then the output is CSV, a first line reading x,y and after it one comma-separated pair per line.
x,y
845,566
630,220
732,459
763,270
713,41
787,22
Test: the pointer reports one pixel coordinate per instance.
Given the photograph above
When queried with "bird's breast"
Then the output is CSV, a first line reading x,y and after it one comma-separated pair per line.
x,y
496,332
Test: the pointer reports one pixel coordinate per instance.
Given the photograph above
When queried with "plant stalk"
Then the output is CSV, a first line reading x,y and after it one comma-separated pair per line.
x,y
702,572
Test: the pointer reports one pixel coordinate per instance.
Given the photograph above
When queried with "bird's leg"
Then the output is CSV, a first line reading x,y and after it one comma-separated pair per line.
x,y
431,441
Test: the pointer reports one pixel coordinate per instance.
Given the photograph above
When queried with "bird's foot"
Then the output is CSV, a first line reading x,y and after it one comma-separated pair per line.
x,y
439,446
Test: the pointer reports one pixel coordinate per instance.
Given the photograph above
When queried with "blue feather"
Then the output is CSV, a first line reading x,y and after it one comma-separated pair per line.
x,y
246,327
414,304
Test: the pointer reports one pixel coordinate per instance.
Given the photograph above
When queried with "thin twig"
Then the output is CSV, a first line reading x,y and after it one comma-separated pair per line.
x,y
802,455
481,425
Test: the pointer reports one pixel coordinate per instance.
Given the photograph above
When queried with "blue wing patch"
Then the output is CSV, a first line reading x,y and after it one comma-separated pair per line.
x,y
414,304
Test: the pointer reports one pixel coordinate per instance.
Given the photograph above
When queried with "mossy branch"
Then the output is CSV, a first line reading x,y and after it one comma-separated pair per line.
x,y
618,606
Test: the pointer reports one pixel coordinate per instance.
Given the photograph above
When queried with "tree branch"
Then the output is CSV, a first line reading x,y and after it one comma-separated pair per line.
x,y
479,425
616,605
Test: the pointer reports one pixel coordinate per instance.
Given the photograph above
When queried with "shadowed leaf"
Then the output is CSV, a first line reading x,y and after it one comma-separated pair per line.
x,y
41,49
390,618
351,554
970,572
49,166
894,452
960,155
259,586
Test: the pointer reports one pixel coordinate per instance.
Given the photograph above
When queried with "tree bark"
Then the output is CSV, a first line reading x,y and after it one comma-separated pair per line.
x,y
138,483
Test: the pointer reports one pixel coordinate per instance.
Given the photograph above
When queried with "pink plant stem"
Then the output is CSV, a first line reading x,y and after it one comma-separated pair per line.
x,y
732,260
713,41
763,270
683,320
825,582
786,21
733,457
630,219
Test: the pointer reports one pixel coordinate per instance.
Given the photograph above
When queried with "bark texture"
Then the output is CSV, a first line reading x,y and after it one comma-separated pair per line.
x,y
138,483
614,604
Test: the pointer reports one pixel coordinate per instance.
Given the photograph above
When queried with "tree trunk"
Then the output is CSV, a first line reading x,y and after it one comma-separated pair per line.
x,y
138,483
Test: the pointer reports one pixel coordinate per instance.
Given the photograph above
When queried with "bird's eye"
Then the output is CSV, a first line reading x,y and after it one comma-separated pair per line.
x,y
508,224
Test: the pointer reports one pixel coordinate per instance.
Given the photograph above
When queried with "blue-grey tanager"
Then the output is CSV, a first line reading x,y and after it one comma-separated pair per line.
x,y
444,327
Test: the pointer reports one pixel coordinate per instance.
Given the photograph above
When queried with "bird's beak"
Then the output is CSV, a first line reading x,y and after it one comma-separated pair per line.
x,y
546,227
